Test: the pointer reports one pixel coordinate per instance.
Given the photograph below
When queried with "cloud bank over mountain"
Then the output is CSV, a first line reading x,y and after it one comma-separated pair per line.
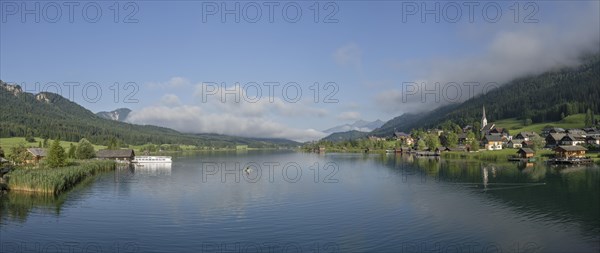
x,y
513,50
225,115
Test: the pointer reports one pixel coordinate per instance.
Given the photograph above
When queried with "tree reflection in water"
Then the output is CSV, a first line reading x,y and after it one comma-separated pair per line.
x,y
551,192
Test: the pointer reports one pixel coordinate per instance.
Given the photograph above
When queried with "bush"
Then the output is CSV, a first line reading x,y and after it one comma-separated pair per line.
x,y
19,154
85,150
29,138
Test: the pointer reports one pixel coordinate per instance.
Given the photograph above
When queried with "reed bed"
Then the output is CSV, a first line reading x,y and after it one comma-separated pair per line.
x,y
58,180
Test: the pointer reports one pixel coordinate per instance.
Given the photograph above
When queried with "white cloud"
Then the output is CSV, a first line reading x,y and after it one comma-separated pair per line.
x,y
223,99
178,82
350,54
514,51
349,116
170,100
242,116
173,82
193,119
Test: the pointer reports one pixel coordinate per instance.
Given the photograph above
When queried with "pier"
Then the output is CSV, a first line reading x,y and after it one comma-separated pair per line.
x,y
572,161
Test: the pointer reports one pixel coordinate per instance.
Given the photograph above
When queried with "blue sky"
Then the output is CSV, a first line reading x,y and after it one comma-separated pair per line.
x,y
375,54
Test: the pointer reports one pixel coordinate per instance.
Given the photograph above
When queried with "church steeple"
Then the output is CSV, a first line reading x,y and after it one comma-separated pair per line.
x,y
483,119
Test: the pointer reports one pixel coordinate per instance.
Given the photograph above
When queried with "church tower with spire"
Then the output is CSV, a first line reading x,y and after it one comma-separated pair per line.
x,y
483,119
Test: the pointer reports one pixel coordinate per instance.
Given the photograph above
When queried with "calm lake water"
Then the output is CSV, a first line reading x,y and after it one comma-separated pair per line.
x,y
300,202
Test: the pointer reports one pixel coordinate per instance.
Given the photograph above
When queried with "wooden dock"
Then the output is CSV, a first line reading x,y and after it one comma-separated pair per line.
x,y
574,161
426,153
521,159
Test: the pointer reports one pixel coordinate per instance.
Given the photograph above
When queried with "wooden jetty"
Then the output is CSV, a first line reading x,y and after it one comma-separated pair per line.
x,y
426,153
573,161
570,155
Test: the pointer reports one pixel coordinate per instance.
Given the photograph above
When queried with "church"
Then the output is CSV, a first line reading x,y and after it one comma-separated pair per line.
x,y
493,138
485,126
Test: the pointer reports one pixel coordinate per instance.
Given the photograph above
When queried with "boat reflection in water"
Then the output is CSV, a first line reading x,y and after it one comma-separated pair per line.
x,y
152,165
152,169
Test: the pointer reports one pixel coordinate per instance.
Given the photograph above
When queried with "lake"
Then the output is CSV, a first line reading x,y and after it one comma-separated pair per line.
x,y
304,202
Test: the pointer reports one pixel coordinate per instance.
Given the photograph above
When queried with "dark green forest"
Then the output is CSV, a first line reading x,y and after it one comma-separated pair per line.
x,y
547,97
344,136
49,115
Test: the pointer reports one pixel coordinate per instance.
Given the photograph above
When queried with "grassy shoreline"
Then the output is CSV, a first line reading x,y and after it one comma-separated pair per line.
x,y
482,155
496,155
57,180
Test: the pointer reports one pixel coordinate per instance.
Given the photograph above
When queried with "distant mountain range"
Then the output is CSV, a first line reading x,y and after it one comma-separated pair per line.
x,y
359,125
51,115
345,136
118,114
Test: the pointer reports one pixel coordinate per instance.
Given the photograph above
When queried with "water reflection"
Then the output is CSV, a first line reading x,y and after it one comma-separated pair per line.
x,y
485,177
551,193
124,172
17,205
152,169
380,203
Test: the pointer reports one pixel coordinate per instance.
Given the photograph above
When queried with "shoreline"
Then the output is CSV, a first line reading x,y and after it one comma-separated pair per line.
x,y
481,155
55,180
213,150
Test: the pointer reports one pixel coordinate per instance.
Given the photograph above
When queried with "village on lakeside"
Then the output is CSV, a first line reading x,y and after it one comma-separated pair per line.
x,y
561,145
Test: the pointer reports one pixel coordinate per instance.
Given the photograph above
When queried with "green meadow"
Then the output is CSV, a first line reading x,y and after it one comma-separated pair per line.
x,y
515,126
8,143
493,155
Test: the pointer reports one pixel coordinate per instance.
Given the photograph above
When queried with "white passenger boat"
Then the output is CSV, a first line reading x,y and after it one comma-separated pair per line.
x,y
152,159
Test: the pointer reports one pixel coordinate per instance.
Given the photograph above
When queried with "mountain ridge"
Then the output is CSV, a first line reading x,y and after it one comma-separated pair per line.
x,y
119,114
50,115
546,97
359,125
345,136
541,98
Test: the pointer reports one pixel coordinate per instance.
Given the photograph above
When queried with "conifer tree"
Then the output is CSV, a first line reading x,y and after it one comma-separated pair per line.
x,y
56,155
